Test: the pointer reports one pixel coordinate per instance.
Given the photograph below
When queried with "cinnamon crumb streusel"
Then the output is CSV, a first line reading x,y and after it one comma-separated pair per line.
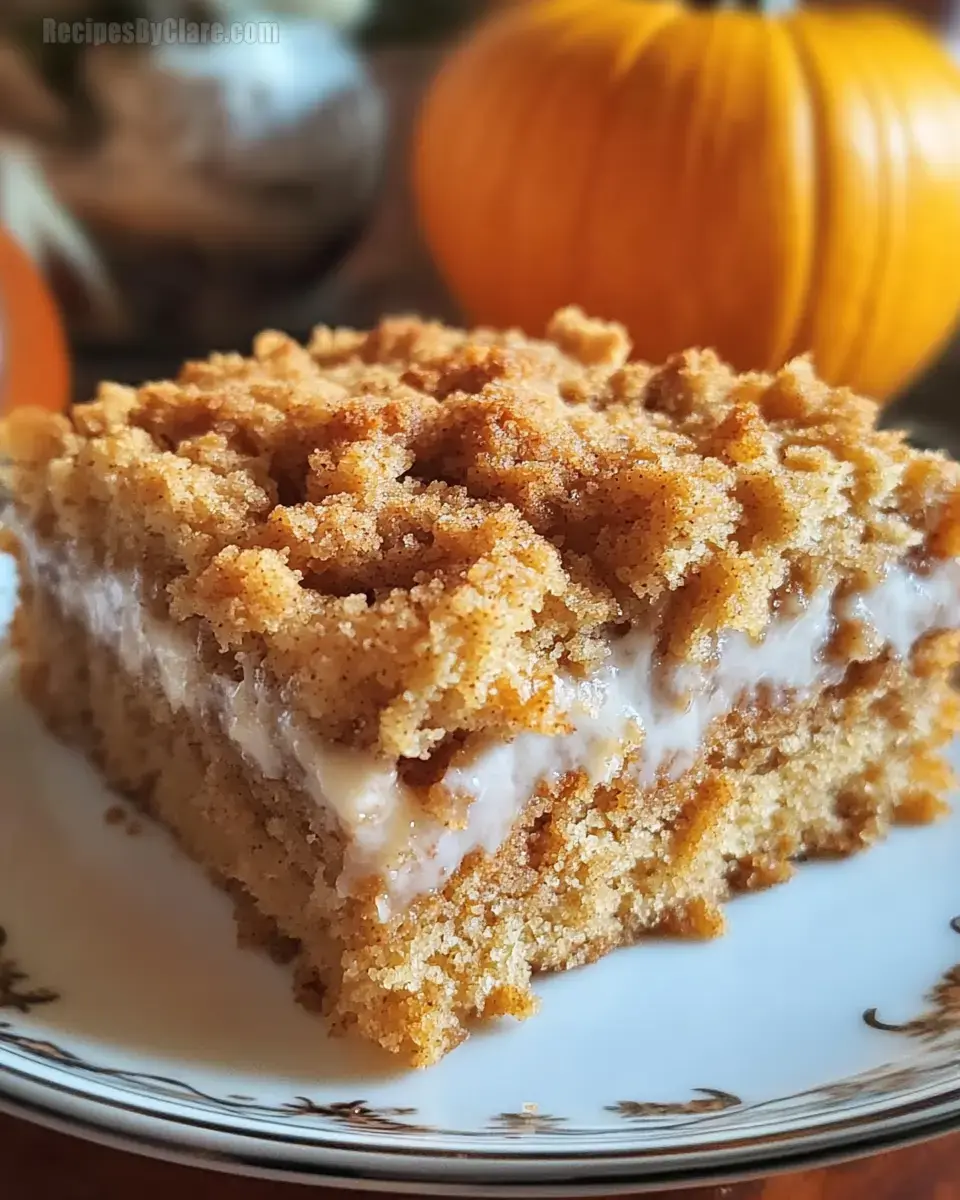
x,y
459,656
414,526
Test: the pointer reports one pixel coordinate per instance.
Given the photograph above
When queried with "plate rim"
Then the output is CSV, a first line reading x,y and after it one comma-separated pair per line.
x,y
468,1171
318,1172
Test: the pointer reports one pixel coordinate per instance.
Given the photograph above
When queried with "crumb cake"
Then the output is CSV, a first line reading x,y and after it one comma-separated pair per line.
x,y
459,657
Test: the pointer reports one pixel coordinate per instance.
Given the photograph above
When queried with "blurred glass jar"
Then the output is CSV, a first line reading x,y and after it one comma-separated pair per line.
x,y
204,185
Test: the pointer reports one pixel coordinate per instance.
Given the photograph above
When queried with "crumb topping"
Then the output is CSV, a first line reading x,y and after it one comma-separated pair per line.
x,y
414,526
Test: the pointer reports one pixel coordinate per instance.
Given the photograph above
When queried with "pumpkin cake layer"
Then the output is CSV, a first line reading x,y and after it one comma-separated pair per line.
x,y
464,656
584,871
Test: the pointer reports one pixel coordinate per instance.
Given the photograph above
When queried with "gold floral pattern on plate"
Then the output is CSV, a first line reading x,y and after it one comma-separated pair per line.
x,y
528,1120
357,1114
709,1100
941,1019
15,990
938,1025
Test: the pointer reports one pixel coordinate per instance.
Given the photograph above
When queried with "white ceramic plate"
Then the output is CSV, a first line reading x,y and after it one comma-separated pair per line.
x,y
825,1024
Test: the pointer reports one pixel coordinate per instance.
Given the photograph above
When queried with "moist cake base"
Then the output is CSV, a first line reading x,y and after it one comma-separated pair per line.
x,y
586,869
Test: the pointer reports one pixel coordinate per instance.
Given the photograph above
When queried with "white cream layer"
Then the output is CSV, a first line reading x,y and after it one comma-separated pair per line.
x,y
387,832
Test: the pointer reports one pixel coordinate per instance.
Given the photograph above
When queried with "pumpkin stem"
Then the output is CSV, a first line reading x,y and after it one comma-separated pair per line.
x,y
769,8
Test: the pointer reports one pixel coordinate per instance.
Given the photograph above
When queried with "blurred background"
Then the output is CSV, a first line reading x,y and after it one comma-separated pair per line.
x,y
178,197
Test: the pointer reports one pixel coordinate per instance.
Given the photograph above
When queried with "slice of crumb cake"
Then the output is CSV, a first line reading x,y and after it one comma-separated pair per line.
x,y
461,656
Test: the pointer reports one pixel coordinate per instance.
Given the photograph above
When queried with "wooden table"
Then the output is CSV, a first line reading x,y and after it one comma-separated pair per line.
x,y
36,1164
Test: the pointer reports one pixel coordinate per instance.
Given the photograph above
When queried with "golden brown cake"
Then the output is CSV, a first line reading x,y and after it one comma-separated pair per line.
x,y
462,656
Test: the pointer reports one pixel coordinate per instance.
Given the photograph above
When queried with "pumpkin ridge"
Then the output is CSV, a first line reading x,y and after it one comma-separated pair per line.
x,y
815,104
590,273
554,95
711,91
485,110
847,216
851,363
628,65
916,249
802,214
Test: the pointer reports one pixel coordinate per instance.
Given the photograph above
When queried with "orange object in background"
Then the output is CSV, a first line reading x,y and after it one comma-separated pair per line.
x,y
766,184
34,359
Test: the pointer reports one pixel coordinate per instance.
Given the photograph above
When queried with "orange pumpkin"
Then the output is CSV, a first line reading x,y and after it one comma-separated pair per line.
x,y
763,184
34,363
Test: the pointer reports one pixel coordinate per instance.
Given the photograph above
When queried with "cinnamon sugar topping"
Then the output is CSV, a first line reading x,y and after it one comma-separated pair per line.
x,y
412,527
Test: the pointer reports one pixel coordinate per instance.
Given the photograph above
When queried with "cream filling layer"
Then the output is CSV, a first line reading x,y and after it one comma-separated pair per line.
x,y
387,833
